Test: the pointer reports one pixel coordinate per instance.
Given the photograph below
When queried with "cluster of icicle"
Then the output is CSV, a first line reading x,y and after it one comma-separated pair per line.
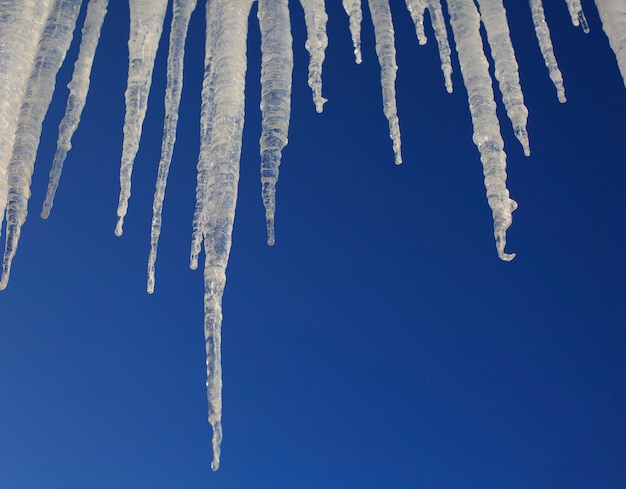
x,y
35,35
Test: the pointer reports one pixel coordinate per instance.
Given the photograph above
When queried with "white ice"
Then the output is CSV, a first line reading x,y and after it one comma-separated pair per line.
x,y
613,16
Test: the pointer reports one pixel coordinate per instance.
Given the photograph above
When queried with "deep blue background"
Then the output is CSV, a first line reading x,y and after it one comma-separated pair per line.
x,y
381,343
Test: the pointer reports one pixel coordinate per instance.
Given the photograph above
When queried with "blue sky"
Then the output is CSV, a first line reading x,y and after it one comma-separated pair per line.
x,y
380,342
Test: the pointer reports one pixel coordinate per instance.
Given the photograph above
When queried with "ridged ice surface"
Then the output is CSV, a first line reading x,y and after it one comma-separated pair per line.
x,y
613,16
355,14
221,159
53,44
417,9
386,52
20,29
577,15
465,22
494,19
146,25
181,16
315,18
547,51
79,87
276,69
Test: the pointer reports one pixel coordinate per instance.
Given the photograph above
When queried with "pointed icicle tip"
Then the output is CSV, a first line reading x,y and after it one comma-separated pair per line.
x,y
271,238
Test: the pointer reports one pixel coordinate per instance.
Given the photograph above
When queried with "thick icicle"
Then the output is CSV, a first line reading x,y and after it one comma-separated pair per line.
x,y
315,17
465,22
146,25
276,70
221,160
53,45
178,34
545,45
386,51
613,17
578,16
21,25
79,86
417,8
355,14
494,19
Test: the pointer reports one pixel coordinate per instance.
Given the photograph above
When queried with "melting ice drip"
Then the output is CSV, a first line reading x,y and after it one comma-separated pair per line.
x,y
35,36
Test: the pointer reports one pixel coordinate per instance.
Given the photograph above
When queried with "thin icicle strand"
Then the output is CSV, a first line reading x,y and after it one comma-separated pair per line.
x,y
494,19
417,8
386,51
276,74
355,14
21,25
577,15
547,51
207,112
181,16
465,22
315,18
441,35
223,176
613,17
79,87
146,26
53,45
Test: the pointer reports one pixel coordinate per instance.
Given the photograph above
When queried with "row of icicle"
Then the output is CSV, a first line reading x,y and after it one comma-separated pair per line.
x,y
35,36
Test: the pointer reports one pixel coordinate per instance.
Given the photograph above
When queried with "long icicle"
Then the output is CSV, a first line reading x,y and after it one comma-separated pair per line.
x,y
315,18
222,160
613,17
465,22
79,87
441,35
506,70
53,45
146,26
21,25
386,51
276,74
181,16
542,32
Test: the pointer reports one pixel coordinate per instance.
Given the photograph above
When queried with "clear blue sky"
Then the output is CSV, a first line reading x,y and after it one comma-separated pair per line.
x,y
381,343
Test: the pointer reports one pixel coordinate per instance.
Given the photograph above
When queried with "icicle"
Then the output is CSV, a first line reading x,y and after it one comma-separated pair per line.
x,y
79,86
613,17
465,22
416,8
146,25
355,14
21,25
545,45
316,43
178,34
53,44
494,19
276,69
221,158
441,34
577,14
386,51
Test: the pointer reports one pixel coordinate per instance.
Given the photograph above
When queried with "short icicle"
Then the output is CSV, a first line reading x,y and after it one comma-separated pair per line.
x,y
417,8
506,70
315,18
355,15
441,34
386,51
181,16
465,22
542,32
276,70
53,45
79,87
146,25
577,15
222,160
